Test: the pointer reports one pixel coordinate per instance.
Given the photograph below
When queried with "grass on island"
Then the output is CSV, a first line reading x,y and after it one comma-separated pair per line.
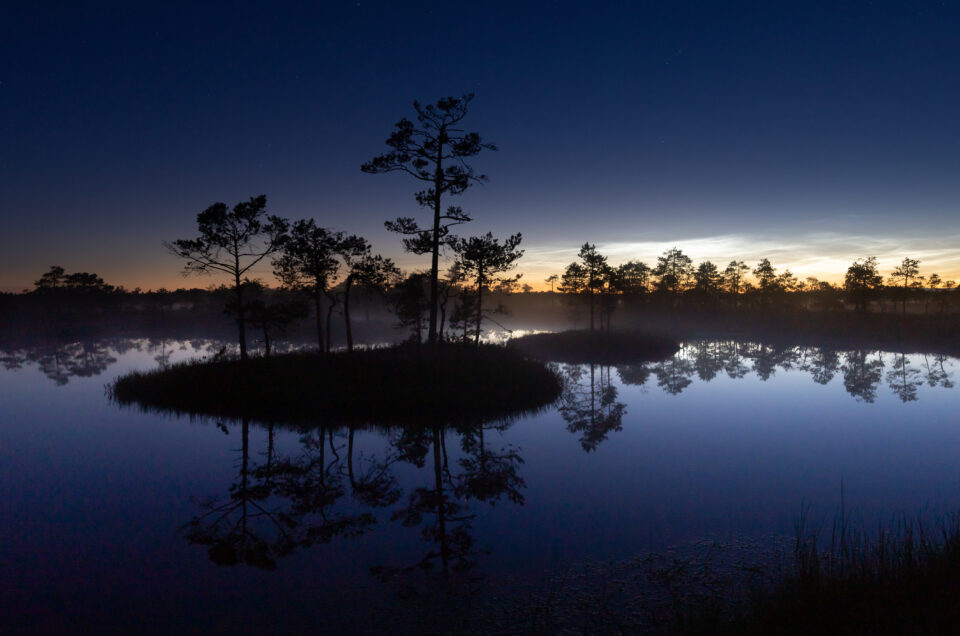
x,y
596,347
405,384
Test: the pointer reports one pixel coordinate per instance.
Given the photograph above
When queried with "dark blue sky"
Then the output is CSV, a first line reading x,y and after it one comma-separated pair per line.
x,y
809,133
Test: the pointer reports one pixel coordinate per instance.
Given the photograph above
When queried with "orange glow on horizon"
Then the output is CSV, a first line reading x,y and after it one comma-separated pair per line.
x,y
816,257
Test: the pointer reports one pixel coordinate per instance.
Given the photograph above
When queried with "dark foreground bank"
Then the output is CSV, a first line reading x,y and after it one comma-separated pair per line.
x,y
903,579
900,579
406,384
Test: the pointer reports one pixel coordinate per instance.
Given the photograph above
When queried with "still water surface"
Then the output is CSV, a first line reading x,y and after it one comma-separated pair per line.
x,y
115,518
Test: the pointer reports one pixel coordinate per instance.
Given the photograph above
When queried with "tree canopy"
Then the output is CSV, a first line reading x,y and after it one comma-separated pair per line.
x,y
232,241
675,269
862,280
482,261
308,262
432,150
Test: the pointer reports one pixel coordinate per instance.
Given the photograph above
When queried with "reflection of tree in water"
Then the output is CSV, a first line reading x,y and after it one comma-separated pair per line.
x,y
163,350
232,529
76,359
371,481
674,374
733,356
489,474
441,507
936,371
708,359
313,484
59,361
767,358
862,370
277,506
634,374
861,375
904,380
822,364
12,360
589,403
444,519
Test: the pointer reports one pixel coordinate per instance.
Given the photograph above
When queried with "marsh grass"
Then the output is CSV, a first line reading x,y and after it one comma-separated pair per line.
x,y
445,384
904,579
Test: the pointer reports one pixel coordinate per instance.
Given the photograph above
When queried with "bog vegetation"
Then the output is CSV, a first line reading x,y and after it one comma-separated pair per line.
x,y
407,384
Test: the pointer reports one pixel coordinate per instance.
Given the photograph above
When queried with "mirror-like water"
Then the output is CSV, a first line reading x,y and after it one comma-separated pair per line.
x,y
116,518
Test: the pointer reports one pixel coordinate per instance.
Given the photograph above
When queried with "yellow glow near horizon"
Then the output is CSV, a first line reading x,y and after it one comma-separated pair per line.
x,y
824,256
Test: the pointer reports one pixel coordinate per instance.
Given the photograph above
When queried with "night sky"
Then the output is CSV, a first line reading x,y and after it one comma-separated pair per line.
x,y
809,133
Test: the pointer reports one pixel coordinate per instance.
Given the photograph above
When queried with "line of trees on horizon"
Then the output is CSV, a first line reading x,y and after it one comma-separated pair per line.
x,y
675,279
629,277
321,270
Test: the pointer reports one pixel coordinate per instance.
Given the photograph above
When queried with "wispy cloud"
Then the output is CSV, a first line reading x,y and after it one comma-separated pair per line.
x,y
823,254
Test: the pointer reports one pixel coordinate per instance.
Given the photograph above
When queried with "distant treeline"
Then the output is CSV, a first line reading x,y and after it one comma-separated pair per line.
x,y
71,306
675,281
588,293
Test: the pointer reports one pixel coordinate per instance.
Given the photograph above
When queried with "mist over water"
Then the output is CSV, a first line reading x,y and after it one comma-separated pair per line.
x,y
115,516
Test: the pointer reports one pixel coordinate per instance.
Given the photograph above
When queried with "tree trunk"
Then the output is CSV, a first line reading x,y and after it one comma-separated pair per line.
x,y
323,461
329,320
241,326
333,449
590,292
440,499
443,313
353,483
435,256
346,311
476,337
593,408
244,493
271,436
434,273
318,305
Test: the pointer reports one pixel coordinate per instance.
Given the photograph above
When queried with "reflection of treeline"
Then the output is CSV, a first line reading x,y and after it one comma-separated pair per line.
x,y
862,371
61,360
590,405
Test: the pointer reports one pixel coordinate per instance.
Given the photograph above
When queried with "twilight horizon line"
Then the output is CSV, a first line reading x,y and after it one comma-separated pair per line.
x,y
541,260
